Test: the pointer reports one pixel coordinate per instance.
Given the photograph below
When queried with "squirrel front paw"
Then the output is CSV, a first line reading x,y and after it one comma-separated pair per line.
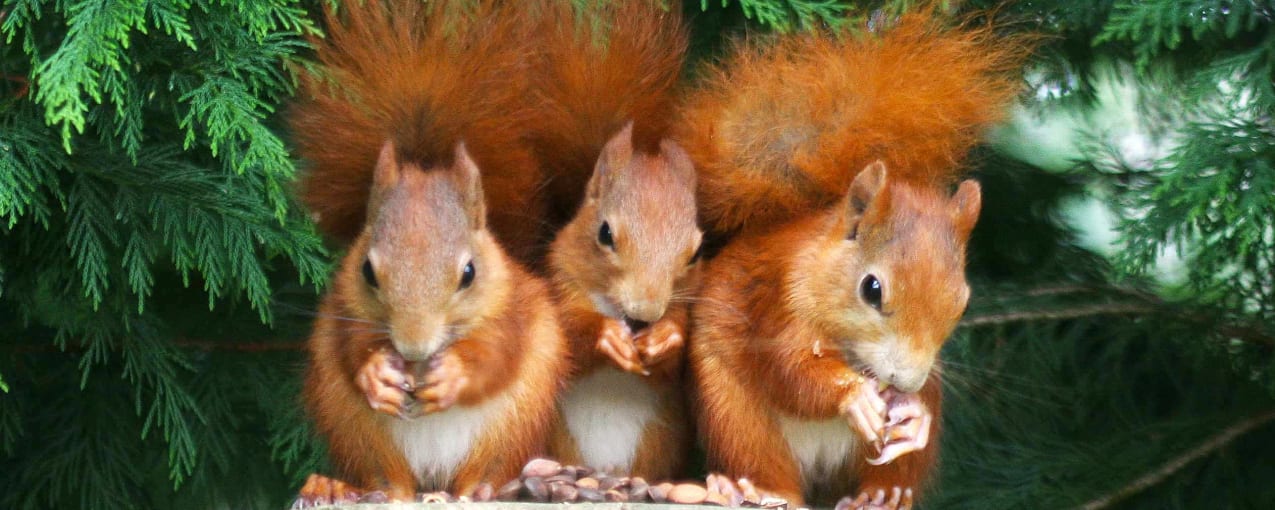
x,y
907,428
896,423
896,498
725,491
664,340
386,383
865,409
444,381
616,342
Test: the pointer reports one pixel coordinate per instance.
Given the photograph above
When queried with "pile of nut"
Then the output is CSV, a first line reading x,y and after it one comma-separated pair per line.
x,y
547,481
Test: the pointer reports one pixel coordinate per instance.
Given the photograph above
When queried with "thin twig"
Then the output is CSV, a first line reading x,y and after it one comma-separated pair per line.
x,y
206,345
1153,478
183,343
1057,314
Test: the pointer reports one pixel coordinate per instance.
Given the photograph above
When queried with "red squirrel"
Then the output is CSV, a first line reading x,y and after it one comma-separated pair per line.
x,y
830,162
625,265
436,358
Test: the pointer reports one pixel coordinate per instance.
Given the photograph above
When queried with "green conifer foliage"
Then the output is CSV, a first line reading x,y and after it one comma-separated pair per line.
x,y
145,220
157,279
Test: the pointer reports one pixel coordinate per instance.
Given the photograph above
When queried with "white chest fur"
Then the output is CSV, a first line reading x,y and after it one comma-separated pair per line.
x,y
435,444
821,447
606,413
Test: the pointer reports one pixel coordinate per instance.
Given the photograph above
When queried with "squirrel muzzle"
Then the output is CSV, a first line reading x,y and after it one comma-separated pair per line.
x,y
420,339
645,298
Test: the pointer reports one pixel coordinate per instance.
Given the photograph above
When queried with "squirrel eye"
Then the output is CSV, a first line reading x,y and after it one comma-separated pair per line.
x,y
369,275
604,236
870,290
699,252
467,276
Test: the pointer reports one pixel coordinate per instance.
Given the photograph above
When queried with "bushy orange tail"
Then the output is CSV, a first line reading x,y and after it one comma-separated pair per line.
x,y
606,64
425,75
781,128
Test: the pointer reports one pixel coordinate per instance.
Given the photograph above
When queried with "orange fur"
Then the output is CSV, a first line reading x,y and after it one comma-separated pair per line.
x,y
425,75
779,130
492,341
611,73
832,161
502,330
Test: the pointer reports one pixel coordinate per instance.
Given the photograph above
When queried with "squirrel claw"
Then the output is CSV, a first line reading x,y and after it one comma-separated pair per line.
x,y
616,343
908,427
896,498
443,383
385,383
910,436
866,410
320,491
740,492
663,340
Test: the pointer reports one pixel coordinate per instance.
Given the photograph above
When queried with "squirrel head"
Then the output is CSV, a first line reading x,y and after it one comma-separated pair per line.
x,y
885,278
634,243
425,266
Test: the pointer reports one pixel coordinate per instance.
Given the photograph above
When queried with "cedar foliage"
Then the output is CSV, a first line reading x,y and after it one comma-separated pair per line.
x,y
157,276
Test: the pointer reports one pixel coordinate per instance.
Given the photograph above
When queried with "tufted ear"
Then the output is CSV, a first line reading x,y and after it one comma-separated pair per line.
x,y
965,207
385,175
865,192
679,162
470,185
615,155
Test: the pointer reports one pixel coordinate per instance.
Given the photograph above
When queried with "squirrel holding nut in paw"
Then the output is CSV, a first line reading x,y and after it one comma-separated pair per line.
x,y
436,358
832,165
625,265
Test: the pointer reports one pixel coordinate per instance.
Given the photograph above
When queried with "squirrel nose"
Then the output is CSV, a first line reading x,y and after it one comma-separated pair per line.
x,y
908,381
644,312
417,341
414,352
635,325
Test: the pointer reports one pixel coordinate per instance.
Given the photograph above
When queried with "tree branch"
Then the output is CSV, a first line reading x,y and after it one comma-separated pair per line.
x,y
1175,464
1057,314
206,345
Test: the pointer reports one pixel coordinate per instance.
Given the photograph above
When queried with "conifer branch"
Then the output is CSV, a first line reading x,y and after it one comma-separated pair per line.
x,y
207,345
1153,478
1075,312
183,343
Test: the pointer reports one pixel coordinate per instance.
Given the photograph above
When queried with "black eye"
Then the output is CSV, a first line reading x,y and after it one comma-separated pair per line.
x,y
368,274
467,276
699,252
604,236
870,289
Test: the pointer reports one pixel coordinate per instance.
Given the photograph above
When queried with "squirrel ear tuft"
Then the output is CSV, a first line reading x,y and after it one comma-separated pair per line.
x,y
865,187
864,191
471,187
385,176
387,169
679,161
616,154
965,207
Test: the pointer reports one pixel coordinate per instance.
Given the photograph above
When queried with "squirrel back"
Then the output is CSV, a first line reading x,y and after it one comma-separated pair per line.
x,y
424,76
605,65
781,129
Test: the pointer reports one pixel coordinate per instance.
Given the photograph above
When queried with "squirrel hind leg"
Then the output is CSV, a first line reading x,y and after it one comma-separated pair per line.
x,y
320,491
